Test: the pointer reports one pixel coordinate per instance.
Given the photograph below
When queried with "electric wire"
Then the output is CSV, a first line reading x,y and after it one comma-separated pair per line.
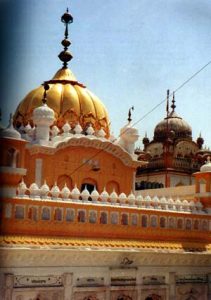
x,y
143,117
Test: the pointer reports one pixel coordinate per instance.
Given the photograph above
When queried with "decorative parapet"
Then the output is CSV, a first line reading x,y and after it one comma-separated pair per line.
x,y
44,193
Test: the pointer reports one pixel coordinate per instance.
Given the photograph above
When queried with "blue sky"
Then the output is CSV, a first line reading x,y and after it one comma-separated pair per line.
x,y
128,52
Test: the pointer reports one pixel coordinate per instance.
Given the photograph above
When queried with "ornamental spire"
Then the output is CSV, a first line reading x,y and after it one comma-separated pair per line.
x,y
46,88
65,56
173,106
129,114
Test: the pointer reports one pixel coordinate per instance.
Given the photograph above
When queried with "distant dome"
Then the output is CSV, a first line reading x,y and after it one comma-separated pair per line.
x,y
206,167
70,100
177,128
10,131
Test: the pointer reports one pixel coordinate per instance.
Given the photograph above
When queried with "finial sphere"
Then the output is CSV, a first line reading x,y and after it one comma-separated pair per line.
x,y
67,18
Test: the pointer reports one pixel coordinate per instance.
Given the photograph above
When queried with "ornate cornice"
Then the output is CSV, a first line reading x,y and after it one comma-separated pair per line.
x,y
100,144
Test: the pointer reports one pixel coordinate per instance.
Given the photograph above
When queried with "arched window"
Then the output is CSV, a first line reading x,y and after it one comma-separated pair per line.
x,y
58,214
144,221
46,214
89,183
202,186
103,218
180,224
124,220
153,221
92,217
64,179
70,215
12,158
114,218
81,216
196,224
171,223
32,213
162,222
8,211
205,225
134,220
19,212
112,186
188,224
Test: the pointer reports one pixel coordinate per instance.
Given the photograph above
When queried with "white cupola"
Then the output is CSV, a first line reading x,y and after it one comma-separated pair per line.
x,y
43,118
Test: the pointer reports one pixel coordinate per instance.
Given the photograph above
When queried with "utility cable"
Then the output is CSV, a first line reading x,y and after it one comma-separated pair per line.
x,y
145,115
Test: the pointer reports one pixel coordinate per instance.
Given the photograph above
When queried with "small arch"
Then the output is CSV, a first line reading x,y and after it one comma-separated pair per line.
x,y
162,222
204,225
153,221
12,158
89,183
112,186
32,213
92,216
81,216
144,221
58,214
188,224
202,185
114,218
8,211
196,225
124,219
134,219
180,223
19,212
103,218
171,223
70,215
64,179
46,214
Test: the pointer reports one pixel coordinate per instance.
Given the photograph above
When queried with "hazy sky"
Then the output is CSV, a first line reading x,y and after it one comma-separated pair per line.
x,y
127,52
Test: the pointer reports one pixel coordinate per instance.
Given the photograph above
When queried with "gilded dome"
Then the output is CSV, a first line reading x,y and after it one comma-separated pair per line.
x,y
70,100
175,126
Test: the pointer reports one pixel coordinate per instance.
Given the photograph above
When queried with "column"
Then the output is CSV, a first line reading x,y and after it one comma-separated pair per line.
x,y
172,286
8,282
67,282
38,171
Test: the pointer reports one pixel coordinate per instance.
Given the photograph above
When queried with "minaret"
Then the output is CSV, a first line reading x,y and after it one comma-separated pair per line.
x,y
128,135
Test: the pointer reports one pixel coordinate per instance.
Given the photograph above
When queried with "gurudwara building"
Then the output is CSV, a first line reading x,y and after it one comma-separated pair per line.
x,y
73,226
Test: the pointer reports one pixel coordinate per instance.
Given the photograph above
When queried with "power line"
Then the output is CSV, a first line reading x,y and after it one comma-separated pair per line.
x,y
145,115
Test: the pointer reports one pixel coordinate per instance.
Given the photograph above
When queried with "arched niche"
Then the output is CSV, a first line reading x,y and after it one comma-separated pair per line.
x,y
89,183
202,185
12,158
112,186
64,179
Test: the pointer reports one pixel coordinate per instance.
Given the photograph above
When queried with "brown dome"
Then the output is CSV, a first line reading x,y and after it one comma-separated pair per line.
x,y
174,126
70,100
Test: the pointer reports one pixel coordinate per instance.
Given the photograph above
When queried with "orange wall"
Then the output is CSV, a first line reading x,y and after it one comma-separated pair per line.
x,y
65,164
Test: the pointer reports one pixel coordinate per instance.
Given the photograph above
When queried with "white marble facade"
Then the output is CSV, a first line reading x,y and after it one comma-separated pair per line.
x,y
103,275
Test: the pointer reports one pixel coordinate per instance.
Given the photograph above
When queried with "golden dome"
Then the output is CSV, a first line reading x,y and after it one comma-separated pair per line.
x,y
70,100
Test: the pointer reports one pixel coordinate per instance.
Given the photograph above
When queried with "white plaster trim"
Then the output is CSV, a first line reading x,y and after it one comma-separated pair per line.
x,y
88,141
11,170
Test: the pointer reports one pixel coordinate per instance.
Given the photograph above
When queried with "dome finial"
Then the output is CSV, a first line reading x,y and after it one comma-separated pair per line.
x,y
129,114
46,88
167,102
173,106
65,56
